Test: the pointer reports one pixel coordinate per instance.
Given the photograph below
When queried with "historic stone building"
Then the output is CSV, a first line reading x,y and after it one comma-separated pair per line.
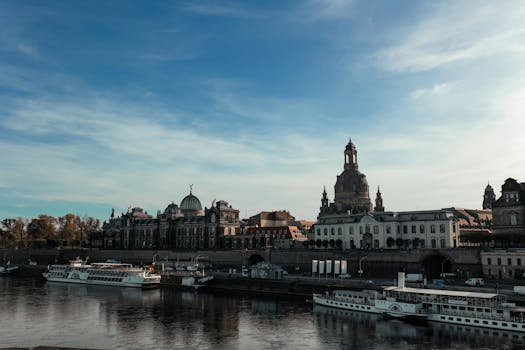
x,y
509,210
271,218
504,263
187,226
350,223
351,187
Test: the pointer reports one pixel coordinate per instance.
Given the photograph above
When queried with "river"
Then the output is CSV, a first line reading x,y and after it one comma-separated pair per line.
x,y
35,313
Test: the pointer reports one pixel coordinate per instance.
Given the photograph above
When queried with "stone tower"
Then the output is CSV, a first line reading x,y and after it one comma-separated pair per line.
x,y
351,188
379,202
489,197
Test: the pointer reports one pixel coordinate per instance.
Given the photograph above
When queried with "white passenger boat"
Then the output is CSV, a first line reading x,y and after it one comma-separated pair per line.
x,y
486,310
108,274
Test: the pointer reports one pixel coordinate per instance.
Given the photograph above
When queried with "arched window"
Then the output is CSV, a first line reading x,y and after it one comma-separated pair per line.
x,y
339,231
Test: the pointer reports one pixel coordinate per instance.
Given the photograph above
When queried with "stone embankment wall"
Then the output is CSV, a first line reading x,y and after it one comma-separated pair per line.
x,y
382,264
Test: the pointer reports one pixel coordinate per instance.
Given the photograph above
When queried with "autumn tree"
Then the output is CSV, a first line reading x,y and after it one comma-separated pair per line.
x,y
69,227
89,228
15,229
43,227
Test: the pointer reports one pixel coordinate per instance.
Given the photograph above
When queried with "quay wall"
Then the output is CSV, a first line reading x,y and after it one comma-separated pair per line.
x,y
382,264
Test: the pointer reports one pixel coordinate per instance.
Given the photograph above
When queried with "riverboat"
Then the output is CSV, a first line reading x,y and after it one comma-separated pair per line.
x,y
107,273
487,310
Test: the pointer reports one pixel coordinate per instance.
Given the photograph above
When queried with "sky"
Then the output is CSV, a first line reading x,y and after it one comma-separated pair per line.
x,y
111,104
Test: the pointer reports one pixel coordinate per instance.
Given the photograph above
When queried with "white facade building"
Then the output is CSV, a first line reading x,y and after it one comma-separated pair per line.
x,y
387,230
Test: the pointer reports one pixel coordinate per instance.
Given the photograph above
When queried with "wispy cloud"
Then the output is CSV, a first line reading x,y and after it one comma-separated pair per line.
x,y
430,92
216,9
455,32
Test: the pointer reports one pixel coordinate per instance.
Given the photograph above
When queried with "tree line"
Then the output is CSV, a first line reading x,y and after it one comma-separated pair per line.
x,y
49,231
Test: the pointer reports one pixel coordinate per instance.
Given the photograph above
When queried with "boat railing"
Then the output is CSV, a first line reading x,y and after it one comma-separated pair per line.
x,y
479,315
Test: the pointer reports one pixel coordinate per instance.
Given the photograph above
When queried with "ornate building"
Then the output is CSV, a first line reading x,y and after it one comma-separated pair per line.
x,y
488,197
509,210
179,227
350,223
351,188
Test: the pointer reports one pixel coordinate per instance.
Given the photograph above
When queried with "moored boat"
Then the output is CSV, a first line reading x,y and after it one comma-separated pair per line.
x,y
108,274
8,269
487,310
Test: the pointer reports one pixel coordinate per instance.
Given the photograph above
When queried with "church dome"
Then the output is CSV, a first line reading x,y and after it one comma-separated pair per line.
x,y
191,205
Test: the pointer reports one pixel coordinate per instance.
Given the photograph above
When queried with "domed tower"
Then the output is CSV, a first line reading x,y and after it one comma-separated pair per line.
x,y
489,197
351,187
191,205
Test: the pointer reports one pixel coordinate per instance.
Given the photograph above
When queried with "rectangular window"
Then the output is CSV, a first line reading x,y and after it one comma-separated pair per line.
x,y
388,229
413,228
499,261
442,228
489,261
421,228
509,261
518,262
405,229
432,228
376,229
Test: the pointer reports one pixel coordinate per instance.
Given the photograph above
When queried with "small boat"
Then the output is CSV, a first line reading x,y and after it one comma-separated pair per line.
x,y
8,269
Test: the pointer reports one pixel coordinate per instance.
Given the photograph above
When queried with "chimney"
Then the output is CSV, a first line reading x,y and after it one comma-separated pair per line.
x,y
400,280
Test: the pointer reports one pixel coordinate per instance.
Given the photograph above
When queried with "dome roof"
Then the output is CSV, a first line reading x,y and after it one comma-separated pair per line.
x,y
190,202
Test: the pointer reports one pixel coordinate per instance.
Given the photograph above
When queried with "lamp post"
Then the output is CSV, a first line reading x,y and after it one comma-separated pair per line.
x,y
360,271
443,265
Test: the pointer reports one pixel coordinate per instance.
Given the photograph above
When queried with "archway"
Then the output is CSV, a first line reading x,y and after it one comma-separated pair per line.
x,y
435,265
254,259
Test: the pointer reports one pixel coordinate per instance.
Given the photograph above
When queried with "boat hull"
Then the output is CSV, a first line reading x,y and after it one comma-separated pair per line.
x,y
105,283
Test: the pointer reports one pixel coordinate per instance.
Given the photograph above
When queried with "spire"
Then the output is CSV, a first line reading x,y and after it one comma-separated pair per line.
x,y
489,197
324,201
379,201
112,213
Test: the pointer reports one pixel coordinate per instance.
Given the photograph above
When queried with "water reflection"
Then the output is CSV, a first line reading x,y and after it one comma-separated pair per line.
x,y
363,330
38,313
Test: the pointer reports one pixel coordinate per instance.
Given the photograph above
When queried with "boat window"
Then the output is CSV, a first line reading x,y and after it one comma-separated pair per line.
x,y
494,323
462,308
451,318
514,325
485,322
443,317
476,321
479,309
458,319
454,307
504,324
499,311
467,320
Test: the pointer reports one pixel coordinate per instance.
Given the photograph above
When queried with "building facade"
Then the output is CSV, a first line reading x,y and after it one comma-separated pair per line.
x,y
509,210
187,226
387,230
503,263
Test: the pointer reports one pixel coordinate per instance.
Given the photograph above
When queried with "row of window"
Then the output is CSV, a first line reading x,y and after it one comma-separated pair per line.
x,y
107,279
494,323
509,261
366,229
420,243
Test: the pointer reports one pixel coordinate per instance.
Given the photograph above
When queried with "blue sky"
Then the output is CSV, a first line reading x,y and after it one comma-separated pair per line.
x,y
115,103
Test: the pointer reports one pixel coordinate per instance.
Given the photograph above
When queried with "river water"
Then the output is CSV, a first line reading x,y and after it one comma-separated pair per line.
x,y
34,313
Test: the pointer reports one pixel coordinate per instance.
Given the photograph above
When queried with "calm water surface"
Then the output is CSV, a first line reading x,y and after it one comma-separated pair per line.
x,y
38,313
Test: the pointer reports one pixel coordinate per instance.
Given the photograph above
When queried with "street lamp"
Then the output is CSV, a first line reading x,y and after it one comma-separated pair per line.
x,y
360,271
443,265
